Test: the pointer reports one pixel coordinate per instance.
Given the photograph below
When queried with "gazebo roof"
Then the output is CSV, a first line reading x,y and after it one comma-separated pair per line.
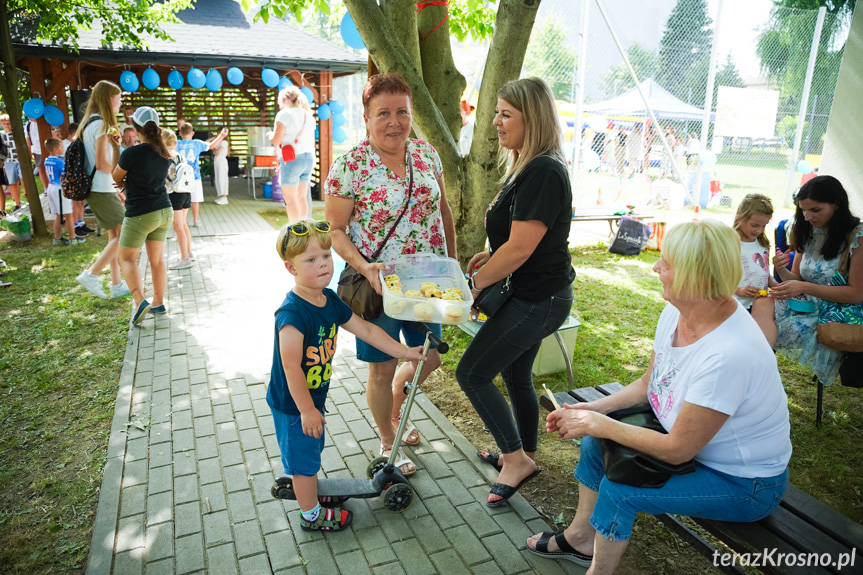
x,y
215,33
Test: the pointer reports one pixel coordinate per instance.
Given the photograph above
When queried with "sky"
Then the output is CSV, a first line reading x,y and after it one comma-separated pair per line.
x,y
738,30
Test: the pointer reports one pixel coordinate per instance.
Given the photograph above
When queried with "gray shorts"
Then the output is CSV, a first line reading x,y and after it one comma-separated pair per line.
x,y
13,172
107,208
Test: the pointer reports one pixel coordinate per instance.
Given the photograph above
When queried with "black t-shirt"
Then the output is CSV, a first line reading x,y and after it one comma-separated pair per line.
x,y
541,192
145,180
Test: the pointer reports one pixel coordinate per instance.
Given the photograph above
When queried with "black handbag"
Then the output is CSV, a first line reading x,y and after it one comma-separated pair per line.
x,y
354,288
494,296
632,467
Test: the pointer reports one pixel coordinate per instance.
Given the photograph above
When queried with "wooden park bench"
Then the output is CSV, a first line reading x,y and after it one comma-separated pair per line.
x,y
598,215
802,526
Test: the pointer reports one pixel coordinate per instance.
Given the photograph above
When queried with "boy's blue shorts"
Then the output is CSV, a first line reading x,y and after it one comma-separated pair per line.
x,y
301,453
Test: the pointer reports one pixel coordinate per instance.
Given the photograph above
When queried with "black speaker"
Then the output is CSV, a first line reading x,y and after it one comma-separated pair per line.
x,y
79,103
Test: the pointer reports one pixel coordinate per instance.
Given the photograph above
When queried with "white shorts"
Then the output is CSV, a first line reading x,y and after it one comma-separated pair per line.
x,y
56,200
198,192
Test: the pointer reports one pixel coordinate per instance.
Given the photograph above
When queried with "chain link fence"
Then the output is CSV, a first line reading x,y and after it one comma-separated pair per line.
x,y
761,65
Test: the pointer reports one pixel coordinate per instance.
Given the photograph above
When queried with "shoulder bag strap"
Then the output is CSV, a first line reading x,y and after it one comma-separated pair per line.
x,y
405,209
303,127
845,262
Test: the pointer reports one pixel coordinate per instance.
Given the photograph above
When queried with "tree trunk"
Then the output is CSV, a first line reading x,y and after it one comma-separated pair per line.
x,y
512,27
9,92
445,83
401,14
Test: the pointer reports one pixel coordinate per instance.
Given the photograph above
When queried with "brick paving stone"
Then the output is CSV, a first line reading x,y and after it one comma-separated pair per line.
x,y
222,560
480,522
246,419
447,561
514,527
241,506
227,432
487,568
256,461
202,407
455,491
413,557
390,569
199,392
257,565
160,432
204,426
241,402
160,383
424,484
183,440
135,473
186,489
136,449
231,454
209,471
206,447
163,567
248,539
180,419
130,533
160,541
346,444
282,551
189,553
467,545
184,463
217,528
353,563
380,556
507,556
223,413
197,376
272,517
266,425
261,408
188,519
160,507
129,562
443,511
468,474
251,439
336,425
133,500
319,557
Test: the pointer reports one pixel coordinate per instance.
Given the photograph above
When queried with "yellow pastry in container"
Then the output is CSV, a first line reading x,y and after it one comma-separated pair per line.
x,y
452,290
394,285
433,293
397,306
423,311
413,293
451,296
453,313
396,289
391,278
426,287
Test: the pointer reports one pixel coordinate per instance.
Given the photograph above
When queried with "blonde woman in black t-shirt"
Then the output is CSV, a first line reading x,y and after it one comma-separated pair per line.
x,y
533,208
142,170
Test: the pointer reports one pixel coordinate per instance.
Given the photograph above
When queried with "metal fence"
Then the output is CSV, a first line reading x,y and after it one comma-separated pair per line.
x,y
760,79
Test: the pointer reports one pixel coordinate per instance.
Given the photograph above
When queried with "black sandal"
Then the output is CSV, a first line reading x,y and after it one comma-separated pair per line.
x,y
489,457
507,491
567,552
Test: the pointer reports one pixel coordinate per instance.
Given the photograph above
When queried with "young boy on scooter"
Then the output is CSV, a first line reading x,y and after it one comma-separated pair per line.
x,y
307,325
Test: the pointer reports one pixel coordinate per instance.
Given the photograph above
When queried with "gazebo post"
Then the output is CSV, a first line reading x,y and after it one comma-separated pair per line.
x,y
37,87
58,86
325,129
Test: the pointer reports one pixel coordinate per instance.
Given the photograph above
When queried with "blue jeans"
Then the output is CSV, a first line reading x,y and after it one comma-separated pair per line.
x,y
706,493
300,170
413,335
507,344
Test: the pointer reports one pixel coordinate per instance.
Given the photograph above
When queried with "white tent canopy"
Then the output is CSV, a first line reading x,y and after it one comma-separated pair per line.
x,y
664,105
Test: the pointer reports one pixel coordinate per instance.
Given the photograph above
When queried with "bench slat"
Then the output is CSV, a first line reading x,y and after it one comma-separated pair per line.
x,y
755,538
586,394
609,388
805,536
849,532
700,545
560,396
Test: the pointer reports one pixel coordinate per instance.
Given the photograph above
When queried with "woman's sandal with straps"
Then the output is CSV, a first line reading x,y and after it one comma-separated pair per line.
x,y
567,552
401,460
329,519
411,435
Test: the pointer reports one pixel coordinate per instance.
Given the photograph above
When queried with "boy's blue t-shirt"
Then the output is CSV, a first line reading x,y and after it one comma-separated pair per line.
x,y
55,166
319,326
192,150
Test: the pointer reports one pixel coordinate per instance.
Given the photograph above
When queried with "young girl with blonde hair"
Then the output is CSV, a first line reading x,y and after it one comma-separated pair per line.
x,y
753,215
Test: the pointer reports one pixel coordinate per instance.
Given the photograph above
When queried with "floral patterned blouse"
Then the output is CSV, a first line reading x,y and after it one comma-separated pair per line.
x,y
379,195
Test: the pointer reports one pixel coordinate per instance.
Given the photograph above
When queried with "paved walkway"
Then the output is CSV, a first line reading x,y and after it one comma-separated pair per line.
x,y
193,454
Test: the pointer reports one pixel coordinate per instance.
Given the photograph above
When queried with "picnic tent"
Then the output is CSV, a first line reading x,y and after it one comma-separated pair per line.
x,y
630,107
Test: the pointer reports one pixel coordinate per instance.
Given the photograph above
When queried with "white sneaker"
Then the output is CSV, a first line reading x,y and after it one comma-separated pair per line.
x,y
180,264
196,224
120,290
222,201
92,283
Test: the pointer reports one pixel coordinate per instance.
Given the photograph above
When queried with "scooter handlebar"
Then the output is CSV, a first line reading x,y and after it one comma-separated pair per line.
x,y
441,346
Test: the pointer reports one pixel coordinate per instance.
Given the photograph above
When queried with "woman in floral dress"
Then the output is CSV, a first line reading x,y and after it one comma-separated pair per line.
x,y
365,192
822,228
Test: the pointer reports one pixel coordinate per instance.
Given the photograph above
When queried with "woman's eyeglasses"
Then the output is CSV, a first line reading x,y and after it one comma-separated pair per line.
x,y
301,229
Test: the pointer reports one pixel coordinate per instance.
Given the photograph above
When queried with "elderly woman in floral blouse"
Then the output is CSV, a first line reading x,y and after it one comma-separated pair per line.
x,y
366,190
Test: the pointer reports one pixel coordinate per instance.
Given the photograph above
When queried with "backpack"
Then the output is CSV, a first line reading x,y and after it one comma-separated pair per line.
x,y
75,181
184,179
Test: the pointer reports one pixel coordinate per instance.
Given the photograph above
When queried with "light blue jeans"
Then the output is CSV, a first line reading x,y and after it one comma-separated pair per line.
x,y
705,493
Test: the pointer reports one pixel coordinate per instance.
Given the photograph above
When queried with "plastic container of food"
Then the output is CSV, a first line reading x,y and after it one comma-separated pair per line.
x,y
417,269
802,305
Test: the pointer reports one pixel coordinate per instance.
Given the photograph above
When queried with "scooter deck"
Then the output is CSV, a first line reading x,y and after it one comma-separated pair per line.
x,y
355,488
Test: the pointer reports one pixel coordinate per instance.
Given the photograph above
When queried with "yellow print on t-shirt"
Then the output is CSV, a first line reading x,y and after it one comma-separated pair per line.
x,y
318,362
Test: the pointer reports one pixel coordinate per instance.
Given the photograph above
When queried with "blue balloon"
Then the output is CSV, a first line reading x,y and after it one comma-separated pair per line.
x,y
707,158
324,112
214,80
284,82
803,166
151,79
337,107
33,108
175,80
338,119
310,96
317,133
339,135
270,77
350,34
54,116
129,81
196,78
235,76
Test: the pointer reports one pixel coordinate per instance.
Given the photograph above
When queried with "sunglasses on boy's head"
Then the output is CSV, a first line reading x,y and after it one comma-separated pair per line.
x,y
302,229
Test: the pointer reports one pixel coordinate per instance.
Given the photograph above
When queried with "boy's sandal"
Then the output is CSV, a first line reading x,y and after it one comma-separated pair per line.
x,y
329,519
331,500
489,457
411,435
403,462
567,552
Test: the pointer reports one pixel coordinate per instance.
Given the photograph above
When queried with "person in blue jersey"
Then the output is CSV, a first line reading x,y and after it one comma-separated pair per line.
x,y
306,330
191,149
61,206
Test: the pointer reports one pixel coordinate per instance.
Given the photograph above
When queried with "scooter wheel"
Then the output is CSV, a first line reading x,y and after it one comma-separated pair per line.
x,y
375,465
398,497
283,489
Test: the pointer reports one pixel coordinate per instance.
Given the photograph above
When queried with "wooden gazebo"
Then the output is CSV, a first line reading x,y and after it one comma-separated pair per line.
x,y
215,34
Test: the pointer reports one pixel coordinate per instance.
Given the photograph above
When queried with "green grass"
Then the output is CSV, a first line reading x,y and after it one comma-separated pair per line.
x,y
61,351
